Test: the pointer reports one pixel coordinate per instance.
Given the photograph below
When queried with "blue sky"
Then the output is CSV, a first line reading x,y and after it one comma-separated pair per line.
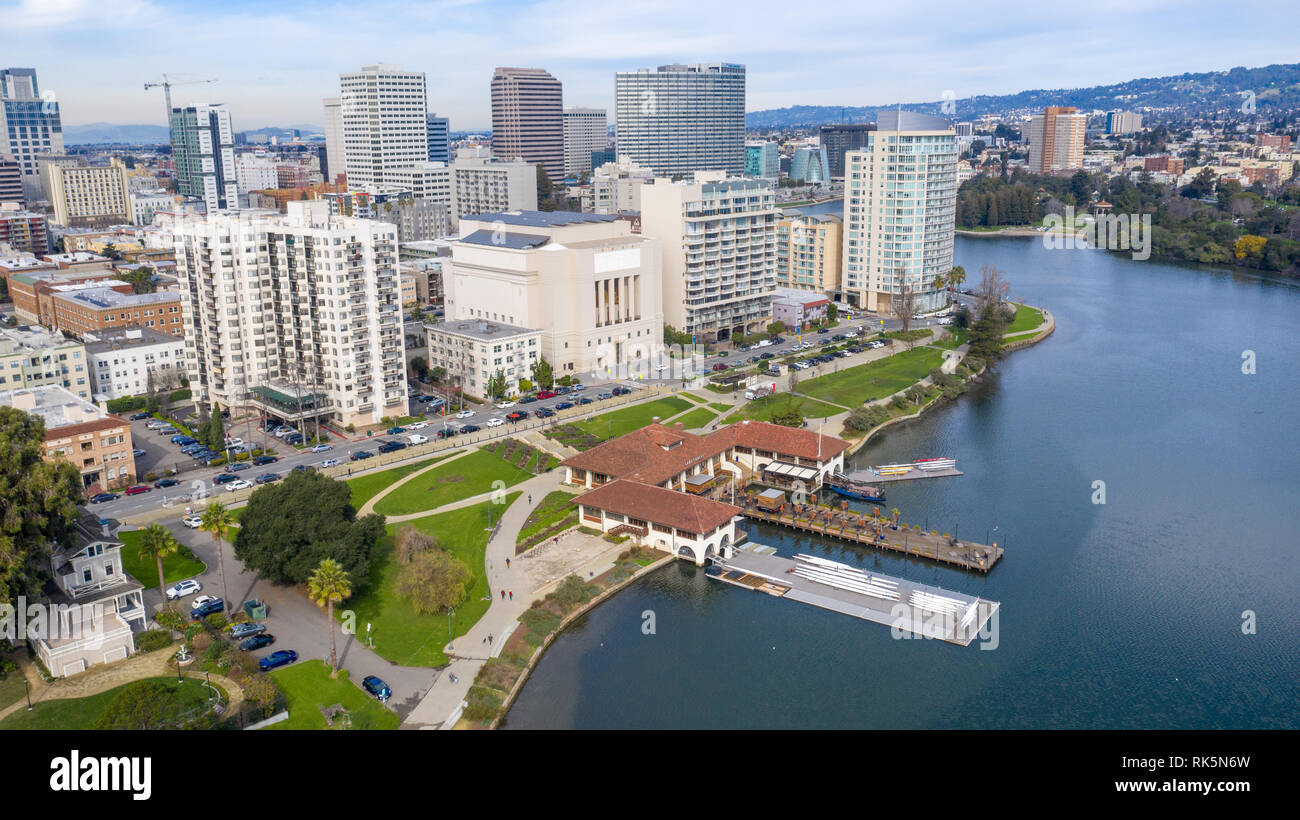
x,y
275,61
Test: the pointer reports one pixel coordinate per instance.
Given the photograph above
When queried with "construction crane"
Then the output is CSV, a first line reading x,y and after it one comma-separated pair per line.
x,y
167,91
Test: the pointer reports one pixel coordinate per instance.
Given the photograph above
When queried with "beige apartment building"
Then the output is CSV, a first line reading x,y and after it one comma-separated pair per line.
x,y
89,196
808,251
34,357
1056,139
97,443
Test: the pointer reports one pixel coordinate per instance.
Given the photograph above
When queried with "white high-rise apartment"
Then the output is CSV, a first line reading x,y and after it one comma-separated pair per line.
x,y
385,122
486,185
719,252
585,131
296,315
203,149
616,187
256,173
29,125
679,119
900,204
334,161
1056,139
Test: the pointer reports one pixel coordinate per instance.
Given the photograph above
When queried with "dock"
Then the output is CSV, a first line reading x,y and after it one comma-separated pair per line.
x,y
871,476
918,610
856,528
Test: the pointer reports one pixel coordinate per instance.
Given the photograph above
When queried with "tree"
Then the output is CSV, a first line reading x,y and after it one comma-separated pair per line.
x,y
327,586
832,312
543,373
774,329
157,542
420,365
151,704
496,386
788,415
433,581
956,277
110,251
38,503
216,520
140,279
905,303
410,542
290,526
214,434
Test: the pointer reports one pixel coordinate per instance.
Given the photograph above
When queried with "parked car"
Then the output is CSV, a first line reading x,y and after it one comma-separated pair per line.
x,y
465,414
260,460
202,610
282,431
360,454
576,387
257,642
331,462
267,478
516,416
543,413
239,484
547,394
163,483
494,422
505,405
100,498
293,438
137,416
417,439
584,400
239,466
822,330
182,439
138,489
137,452
419,425
234,442
563,405
621,391
396,431
183,588
446,432
322,448
392,446
562,390
376,687
246,630
605,395
470,428
718,367
278,658
527,399
224,478
190,449
766,355
193,521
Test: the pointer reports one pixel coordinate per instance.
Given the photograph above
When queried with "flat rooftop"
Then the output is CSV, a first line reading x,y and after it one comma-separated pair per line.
x,y
124,338
55,404
104,297
479,329
541,219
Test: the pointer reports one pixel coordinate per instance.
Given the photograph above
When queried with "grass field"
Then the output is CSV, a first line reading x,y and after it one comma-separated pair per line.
x,y
307,686
466,476
958,338
762,409
721,407
81,713
874,380
1027,318
367,487
632,418
12,689
698,417
403,635
176,567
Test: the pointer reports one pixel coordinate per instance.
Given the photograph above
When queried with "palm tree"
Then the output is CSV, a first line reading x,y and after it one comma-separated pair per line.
x,y
217,521
328,585
157,542
895,512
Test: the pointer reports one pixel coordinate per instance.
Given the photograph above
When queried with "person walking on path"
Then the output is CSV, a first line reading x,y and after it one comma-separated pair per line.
x,y
512,594
503,594
507,563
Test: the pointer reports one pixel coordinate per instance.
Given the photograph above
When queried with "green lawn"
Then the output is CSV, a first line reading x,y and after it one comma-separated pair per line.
x,y
307,686
698,417
762,409
401,634
176,567
632,418
466,476
874,380
81,713
721,407
366,487
958,338
693,397
553,509
11,688
1027,318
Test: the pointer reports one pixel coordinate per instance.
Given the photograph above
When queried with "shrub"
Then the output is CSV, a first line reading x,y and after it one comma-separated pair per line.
x,y
170,618
481,704
153,639
217,621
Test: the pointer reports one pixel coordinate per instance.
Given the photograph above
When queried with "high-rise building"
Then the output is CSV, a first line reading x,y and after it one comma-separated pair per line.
x,y
839,139
334,161
1056,139
385,122
678,119
203,150
585,131
528,118
1123,122
810,164
719,252
256,173
762,159
808,251
295,315
900,205
11,181
439,129
964,129
88,196
29,125
24,230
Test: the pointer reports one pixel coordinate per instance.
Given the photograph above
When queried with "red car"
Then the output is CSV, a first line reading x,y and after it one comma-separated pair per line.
x,y
719,366
137,489
546,394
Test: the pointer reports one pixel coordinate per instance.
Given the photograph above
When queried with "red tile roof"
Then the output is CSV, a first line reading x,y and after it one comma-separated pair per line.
x,y
784,441
652,455
660,506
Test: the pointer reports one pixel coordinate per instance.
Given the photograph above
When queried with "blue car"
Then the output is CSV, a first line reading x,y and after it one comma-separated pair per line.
x,y
100,498
183,439
376,686
396,431
207,608
260,460
278,658
238,466
564,405
392,446
267,478
257,642
223,478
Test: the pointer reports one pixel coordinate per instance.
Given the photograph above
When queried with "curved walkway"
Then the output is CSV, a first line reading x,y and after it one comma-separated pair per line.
x,y
369,506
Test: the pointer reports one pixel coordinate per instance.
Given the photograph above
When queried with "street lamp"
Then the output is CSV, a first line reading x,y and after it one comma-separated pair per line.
x,y
207,681
450,611
27,685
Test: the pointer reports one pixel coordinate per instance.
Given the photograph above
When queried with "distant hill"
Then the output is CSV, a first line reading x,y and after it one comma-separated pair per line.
x,y
1276,89
105,133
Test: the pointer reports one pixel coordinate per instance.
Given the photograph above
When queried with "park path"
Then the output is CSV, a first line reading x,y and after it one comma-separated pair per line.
x,y
369,506
109,676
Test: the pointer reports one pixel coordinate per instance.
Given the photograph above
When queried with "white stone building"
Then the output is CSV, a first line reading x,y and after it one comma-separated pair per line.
x,y
121,361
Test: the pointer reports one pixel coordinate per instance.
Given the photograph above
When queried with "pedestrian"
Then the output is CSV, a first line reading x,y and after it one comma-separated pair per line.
x,y
530,500
512,594
489,640
503,594
507,563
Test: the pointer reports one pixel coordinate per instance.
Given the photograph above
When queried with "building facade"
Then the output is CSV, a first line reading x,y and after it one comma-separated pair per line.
x,y
762,159
808,251
719,252
88,196
1123,122
900,200
439,129
297,315
97,443
334,157
25,231
840,139
11,181
474,352
528,118
35,357
585,131
130,361
810,164
385,122
678,119
30,125
85,308
203,150
1056,139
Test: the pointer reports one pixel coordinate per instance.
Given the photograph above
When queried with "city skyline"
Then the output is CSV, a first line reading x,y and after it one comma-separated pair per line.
x,y
457,43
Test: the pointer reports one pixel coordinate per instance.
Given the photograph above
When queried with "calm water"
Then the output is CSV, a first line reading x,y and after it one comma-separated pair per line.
x,y
1115,616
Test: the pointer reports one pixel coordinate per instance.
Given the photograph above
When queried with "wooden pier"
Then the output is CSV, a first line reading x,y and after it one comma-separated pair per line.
x,y
857,528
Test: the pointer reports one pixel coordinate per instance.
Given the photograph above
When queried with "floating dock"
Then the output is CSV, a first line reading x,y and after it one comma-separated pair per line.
x,y
847,525
919,610
931,468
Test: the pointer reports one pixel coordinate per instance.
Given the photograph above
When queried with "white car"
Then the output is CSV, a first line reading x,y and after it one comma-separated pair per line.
x,y
200,601
465,414
184,588
418,439
506,405
661,368
495,422
239,484
234,442
192,521
322,448
331,462
419,425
